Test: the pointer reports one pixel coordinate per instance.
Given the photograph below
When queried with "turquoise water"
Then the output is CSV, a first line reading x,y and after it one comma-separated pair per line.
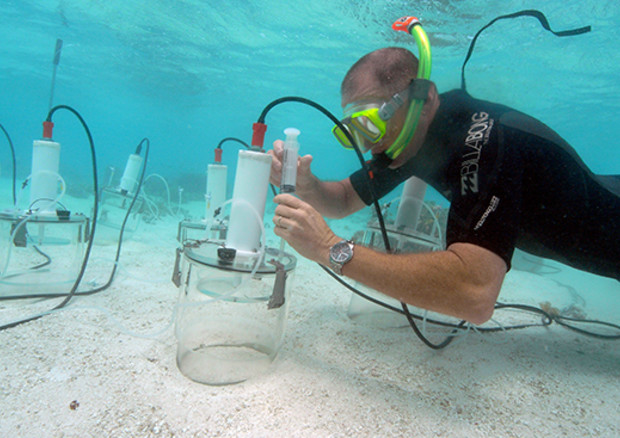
x,y
188,73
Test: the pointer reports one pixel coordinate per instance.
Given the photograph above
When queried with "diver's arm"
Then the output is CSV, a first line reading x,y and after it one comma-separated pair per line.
x,y
334,199
462,281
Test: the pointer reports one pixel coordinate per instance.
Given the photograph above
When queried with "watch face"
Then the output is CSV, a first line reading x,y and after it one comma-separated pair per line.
x,y
341,252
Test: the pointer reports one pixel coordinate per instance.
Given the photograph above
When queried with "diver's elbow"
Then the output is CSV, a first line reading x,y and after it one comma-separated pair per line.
x,y
480,316
482,306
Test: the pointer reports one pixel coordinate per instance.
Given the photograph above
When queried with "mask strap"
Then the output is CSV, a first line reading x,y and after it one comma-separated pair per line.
x,y
419,89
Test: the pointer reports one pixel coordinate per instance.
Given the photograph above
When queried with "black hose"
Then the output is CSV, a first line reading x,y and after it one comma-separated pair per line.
x,y
360,156
122,231
529,12
118,248
8,137
224,140
73,290
47,261
546,320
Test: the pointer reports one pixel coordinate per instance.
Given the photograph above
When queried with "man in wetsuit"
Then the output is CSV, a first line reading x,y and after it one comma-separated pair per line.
x,y
512,182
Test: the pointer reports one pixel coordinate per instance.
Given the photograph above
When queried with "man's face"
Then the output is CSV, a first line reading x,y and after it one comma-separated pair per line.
x,y
394,126
371,95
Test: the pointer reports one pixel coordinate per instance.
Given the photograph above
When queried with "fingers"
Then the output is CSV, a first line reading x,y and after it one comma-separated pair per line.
x,y
304,164
276,173
288,201
304,174
276,162
302,227
278,148
284,212
288,211
282,223
277,220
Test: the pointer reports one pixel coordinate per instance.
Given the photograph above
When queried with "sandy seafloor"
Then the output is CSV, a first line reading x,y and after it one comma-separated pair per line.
x,y
334,377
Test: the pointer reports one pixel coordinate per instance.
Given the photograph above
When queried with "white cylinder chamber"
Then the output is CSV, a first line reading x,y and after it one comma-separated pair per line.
x,y
129,180
217,175
410,204
44,183
248,204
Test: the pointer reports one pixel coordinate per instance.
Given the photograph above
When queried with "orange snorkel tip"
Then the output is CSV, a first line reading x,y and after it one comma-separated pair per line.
x,y
404,24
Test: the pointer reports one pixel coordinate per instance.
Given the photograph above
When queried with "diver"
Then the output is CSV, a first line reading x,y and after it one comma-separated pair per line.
x,y
511,182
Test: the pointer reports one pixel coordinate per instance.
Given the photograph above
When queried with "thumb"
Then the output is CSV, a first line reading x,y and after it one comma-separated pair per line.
x,y
304,163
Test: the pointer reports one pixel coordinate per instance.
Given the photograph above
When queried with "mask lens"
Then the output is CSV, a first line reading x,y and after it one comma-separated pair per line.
x,y
366,127
362,141
341,136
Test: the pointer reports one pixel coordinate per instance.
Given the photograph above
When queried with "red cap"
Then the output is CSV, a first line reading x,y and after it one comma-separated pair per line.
x,y
258,137
218,155
47,129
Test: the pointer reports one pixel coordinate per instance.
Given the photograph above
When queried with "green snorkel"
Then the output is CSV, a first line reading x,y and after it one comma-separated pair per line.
x,y
412,26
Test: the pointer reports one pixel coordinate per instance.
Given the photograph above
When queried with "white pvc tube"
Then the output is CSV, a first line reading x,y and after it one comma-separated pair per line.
x,y
44,183
411,202
129,181
217,175
251,184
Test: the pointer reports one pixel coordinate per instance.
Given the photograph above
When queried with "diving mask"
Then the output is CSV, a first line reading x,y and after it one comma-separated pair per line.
x,y
367,121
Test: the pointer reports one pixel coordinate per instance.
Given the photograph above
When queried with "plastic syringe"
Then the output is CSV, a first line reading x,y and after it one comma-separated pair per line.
x,y
289,161
288,179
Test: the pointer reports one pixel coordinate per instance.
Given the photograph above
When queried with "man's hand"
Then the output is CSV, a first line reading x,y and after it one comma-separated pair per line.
x,y
303,228
304,175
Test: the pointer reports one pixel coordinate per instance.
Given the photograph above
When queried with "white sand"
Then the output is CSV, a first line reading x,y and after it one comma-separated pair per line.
x,y
334,377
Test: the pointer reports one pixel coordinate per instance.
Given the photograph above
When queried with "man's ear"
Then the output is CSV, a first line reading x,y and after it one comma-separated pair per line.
x,y
432,93
432,103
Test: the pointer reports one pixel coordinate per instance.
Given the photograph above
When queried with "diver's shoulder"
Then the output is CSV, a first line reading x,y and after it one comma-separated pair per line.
x,y
461,99
455,94
457,98
458,95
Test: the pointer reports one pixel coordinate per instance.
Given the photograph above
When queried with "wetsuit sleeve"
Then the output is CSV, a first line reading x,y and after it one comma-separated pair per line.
x,y
486,204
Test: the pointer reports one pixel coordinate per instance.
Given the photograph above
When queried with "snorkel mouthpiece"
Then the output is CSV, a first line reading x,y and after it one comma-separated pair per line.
x,y
412,26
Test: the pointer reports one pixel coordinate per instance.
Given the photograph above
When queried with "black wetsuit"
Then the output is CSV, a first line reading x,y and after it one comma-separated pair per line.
x,y
512,182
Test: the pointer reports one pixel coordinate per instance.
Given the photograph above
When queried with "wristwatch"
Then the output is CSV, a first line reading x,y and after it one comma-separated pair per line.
x,y
340,254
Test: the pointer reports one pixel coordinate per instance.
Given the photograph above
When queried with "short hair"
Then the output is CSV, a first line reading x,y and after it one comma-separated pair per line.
x,y
391,68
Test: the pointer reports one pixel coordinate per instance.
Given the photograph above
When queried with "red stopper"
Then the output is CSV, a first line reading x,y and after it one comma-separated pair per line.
x,y
47,129
258,137
218,155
